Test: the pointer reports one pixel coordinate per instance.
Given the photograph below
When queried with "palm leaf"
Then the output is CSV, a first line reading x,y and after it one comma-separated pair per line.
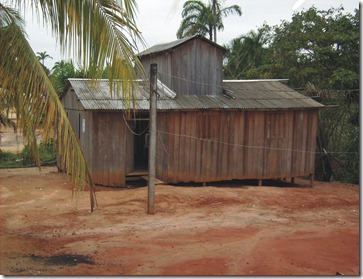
x,y
97,34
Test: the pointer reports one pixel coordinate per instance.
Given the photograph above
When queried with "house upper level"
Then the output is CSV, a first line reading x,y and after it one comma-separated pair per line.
x,y
189,66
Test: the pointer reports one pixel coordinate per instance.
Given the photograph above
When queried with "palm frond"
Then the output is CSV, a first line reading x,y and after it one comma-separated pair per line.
x,y
27,88
97,33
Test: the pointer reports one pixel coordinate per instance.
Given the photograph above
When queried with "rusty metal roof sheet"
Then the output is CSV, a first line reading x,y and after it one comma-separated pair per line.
x,y
246,95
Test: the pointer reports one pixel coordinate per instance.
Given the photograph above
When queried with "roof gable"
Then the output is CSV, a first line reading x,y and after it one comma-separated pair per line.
x,y
171,45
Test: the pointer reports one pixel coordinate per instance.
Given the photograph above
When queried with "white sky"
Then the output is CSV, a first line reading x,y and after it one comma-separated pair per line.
x,y
159,20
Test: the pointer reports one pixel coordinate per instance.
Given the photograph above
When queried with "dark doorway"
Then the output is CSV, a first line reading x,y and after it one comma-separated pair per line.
x,y
141,146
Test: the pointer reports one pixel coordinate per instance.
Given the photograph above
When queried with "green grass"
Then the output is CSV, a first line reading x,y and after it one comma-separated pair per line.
x,y
24,158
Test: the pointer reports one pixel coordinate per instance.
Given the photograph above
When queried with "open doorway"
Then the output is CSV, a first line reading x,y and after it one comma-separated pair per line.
x,y
141,143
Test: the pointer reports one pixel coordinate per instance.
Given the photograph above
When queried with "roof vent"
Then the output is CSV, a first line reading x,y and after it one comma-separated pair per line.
x,y
228,93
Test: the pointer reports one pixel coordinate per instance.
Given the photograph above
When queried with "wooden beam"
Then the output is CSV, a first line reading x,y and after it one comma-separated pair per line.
x,y
157,181
152,141
311,180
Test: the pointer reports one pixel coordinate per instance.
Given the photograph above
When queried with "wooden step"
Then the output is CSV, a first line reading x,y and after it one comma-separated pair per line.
x,y
157,181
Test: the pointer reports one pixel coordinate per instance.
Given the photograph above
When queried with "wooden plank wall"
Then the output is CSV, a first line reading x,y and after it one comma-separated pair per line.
x,y
224,145
111,148
193,68
164,62
197,69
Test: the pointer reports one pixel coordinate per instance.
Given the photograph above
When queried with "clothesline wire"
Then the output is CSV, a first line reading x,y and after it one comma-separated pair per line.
x,y
247,89
248,146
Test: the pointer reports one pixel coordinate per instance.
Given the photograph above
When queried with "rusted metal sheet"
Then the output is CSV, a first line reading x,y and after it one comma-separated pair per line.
x,y
269,95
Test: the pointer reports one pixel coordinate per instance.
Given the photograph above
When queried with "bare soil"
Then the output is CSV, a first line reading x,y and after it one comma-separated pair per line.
x,y
231,228
227,228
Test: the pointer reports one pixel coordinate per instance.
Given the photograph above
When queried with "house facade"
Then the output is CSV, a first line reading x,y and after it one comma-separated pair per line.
x,y
208,129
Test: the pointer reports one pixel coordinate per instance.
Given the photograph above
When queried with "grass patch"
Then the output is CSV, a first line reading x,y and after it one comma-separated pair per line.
x,y
23,159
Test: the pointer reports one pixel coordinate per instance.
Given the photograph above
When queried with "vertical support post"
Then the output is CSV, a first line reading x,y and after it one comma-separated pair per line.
x,y
260,183
311,180
152,138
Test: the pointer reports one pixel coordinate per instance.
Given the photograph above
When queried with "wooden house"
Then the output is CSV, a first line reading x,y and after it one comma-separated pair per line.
x,y
189,66
259,129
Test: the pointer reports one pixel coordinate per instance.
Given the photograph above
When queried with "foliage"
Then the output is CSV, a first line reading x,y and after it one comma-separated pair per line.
x,y
41,57
320,47
318,51
338,141
96,33
202,19
244,55
25,158
61,71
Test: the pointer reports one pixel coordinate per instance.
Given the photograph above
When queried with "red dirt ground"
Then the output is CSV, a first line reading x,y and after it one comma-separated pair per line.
x,y
220,229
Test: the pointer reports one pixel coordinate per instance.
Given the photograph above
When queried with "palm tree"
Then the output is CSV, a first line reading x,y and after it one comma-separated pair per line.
x,y
61,71
244,53
196,20
202,19
42,55
96,33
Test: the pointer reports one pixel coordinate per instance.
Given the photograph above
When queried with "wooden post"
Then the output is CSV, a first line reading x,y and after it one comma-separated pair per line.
x,y
311,180
260,182
152,138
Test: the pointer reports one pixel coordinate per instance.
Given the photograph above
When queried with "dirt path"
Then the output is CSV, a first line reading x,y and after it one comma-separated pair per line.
x,y
230,229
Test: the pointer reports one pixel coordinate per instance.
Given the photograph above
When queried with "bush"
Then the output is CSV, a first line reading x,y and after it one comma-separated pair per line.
x,y
23,159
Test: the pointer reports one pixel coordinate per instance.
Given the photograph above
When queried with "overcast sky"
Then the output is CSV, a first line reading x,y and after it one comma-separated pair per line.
x,y
159,20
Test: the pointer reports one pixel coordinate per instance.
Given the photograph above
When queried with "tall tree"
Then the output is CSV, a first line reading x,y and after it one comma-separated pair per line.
x,y
42,55
61,71
203,19
320,49
96,33
245,55
218,13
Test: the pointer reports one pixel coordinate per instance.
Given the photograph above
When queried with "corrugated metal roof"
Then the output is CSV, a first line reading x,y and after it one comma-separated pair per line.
x,y
170,45
261,95
97,95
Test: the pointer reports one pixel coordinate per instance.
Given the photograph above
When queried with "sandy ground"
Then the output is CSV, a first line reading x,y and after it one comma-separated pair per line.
x,y
230,228
220,229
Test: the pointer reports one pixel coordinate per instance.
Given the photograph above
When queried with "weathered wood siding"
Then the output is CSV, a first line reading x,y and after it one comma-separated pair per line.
x,y
193,68
200,146
224,145
106,142
111,153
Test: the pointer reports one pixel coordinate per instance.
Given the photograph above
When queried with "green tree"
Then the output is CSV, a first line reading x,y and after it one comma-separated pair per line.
x,y
320,49
246,56
202,19
61,71
97,33
42,55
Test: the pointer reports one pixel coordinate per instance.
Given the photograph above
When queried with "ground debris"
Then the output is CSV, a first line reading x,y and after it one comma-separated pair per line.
x,y
64,259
